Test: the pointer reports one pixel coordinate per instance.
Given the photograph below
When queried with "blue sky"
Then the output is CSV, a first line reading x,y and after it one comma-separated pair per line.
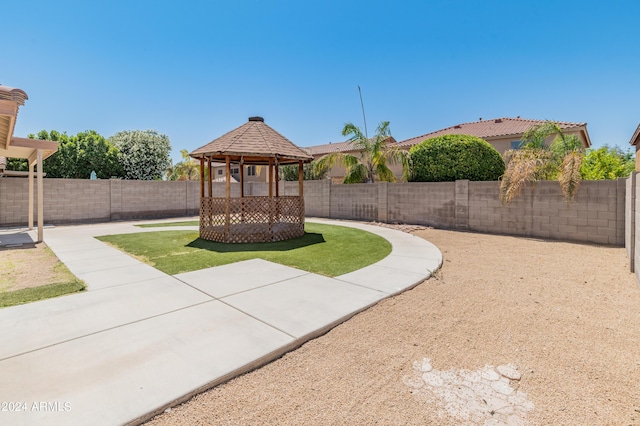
x,y
194,70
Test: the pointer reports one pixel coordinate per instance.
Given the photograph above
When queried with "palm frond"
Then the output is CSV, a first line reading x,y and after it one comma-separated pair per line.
x,y
522,167
356,174
569,176
326,161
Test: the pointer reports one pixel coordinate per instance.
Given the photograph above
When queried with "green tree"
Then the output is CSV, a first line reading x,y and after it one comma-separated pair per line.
x,y
373,156
452,157
607,163
310,172
144,155
79,155
187,169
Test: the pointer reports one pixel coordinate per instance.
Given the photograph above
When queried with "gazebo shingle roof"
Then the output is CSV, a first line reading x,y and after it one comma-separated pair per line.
x,y
256,142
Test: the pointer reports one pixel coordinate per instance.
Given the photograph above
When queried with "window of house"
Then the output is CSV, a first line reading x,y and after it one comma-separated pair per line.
x,y
516,144
251,170
220,171
235,171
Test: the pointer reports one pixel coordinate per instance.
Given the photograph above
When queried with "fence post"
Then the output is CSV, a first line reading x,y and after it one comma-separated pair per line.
x,y
326,198
630,219
383,190
462,204
115,208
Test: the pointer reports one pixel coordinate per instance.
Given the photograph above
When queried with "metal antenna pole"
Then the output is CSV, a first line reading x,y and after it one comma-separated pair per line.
x,y
366,134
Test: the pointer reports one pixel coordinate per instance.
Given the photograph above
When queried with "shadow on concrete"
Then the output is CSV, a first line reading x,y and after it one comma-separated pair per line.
x,y
16,238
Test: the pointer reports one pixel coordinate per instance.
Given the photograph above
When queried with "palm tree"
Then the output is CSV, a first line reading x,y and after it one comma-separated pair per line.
x,y
373,157
538,160
187,169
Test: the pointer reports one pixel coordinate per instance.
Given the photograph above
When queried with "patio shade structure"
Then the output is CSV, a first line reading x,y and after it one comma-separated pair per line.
x,y
35,151
256,218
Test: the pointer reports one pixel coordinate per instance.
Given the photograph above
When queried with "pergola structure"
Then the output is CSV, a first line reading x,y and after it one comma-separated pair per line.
x,y
35,151
251,219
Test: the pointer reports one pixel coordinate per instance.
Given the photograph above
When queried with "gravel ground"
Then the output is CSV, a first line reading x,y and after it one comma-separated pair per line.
x,y
567,316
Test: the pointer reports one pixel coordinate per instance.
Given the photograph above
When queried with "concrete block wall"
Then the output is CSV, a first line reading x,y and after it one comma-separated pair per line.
x,y
431,204
356,201
597,215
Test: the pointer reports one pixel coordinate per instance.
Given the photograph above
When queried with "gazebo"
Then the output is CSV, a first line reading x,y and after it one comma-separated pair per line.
x,y
251,219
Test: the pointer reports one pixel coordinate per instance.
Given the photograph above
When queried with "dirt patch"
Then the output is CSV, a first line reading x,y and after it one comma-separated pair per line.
x,y
29,265
565,314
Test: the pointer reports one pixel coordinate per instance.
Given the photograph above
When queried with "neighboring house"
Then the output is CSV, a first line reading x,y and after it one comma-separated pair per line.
x,y
503,133
635,141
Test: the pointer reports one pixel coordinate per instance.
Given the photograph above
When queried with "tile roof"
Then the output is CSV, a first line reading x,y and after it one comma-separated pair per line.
x,y
12,94
636,136
329,148
489,129
252,139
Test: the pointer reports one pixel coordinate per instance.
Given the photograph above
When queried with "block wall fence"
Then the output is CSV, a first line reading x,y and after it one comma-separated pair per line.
x,y
597,215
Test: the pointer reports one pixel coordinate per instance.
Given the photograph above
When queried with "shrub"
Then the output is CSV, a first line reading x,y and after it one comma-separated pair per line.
x,y
451,157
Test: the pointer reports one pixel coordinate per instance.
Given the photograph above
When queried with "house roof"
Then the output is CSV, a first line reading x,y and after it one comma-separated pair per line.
x,y
636,136
255,142
332,147
494,128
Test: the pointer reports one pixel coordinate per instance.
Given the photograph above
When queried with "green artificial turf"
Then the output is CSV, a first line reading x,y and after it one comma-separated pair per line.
x,y
27,295
324,249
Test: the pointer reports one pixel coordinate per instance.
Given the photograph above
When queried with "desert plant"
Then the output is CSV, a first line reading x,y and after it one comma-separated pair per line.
x,y
539,159
452,157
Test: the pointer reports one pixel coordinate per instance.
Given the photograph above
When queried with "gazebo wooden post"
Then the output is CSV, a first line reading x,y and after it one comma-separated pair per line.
x,y
301,187
201,179
300,177
277,204
271,202
210,188
210,178
227,220
270,177
277,173
242,189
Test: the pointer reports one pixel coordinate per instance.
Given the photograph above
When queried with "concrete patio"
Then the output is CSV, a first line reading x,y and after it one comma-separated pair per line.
x,y
139,340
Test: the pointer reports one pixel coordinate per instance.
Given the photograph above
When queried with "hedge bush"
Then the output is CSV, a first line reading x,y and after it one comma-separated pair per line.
x,y
452,157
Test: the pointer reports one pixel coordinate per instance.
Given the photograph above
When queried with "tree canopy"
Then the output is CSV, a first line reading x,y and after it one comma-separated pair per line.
x,y
607,163
144,155
77,156
451,157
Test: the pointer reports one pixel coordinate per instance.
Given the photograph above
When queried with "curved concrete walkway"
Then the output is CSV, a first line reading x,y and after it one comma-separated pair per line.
x,y
139,340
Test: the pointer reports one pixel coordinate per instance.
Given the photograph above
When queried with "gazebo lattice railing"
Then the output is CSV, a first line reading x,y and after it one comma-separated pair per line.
x,y
251,219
